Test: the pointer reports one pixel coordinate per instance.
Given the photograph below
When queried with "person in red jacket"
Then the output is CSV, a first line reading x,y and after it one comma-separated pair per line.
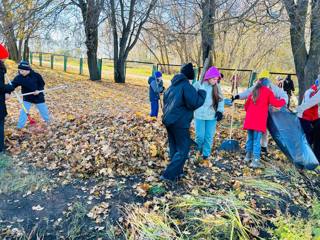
x,y
255,122
310,117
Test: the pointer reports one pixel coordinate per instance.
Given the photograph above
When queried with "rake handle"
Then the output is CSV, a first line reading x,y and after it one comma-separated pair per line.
x,y
42,91
233,105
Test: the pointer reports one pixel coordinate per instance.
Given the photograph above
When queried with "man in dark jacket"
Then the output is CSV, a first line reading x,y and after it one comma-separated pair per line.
x,y
180,101
155,89
30,81
288,86
3,109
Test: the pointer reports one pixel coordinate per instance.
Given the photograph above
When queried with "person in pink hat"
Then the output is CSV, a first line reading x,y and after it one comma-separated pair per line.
x,y
211,112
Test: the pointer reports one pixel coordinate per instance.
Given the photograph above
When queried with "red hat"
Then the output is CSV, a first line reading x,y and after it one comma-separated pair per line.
x,y
3,52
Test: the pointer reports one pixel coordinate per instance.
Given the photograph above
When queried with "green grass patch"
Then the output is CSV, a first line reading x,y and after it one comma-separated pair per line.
x,y
17,179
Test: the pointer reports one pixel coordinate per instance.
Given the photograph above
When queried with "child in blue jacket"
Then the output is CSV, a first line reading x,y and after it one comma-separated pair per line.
x,y
155,89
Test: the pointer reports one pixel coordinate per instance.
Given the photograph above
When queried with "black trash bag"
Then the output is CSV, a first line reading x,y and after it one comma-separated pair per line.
x,y
287,132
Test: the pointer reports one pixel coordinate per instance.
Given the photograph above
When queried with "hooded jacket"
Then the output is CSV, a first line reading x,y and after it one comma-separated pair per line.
x,y
181,99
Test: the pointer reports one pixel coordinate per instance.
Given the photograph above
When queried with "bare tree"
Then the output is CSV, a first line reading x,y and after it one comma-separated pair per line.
x,y
306,52
91,11
127,19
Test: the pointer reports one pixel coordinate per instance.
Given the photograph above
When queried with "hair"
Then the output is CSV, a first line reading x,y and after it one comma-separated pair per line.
x,y
256,91
216,96
3,68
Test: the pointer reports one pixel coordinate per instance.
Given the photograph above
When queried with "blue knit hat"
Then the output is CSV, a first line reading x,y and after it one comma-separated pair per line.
x,y
24,65
265,82
158,74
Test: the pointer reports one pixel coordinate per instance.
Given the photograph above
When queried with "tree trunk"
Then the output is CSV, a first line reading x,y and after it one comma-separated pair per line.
x,y
119,71
207,29
307,64
26,50
93,64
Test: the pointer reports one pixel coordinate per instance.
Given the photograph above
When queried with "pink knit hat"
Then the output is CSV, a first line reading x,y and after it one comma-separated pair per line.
x,y
212,73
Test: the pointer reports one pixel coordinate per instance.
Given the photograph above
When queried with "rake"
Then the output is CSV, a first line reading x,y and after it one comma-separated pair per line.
x,y
30,119
230,145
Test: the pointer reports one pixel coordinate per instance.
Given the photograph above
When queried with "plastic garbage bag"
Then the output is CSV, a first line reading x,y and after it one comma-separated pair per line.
x,y
287,132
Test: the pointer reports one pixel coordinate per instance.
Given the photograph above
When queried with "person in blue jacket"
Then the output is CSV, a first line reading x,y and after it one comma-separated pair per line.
x,y
181,99
30,81
155,89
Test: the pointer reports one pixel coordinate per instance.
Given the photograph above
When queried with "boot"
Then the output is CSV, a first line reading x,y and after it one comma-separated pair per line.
x,y
256,163
264,150
248,157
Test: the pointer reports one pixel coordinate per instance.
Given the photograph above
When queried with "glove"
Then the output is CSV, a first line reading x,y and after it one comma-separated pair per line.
x,y
235,97
219,116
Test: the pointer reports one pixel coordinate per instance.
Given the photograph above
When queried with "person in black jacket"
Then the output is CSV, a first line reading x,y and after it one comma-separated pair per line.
x,y
288,86
181,99
30,81
3,109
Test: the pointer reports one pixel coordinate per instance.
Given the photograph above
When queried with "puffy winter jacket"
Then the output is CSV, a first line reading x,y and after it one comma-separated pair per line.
x,y
257,113
181,99
3,109
155,88
30,83
206,111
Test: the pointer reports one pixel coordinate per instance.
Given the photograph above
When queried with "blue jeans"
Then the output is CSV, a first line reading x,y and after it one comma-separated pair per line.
x,y
42,108
205,131
154,108
179,144
253,144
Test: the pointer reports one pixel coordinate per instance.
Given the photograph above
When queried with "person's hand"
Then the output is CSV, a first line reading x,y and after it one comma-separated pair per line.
x,y
236,97
36,92
219,116
7,96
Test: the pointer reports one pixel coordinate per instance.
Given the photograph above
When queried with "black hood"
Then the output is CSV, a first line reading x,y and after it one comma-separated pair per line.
x,y
178,78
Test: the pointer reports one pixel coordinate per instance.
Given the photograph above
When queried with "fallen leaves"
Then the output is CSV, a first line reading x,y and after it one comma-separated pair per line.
x,y
37,208
99,212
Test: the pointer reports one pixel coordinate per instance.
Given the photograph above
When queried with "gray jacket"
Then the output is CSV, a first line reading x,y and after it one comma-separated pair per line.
x,y
278,92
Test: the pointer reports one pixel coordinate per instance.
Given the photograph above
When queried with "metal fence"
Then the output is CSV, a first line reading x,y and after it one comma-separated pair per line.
x,y
137,69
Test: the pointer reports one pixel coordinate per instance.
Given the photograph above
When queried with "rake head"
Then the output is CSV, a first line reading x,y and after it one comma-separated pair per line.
x,y
229,145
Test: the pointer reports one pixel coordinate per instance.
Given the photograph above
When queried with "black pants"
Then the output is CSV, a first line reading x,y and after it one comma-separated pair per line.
x,y
312,131
179,144
316,139
2,135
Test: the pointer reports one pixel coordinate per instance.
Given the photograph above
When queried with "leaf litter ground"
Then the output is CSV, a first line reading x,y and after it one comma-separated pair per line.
x,y
98,164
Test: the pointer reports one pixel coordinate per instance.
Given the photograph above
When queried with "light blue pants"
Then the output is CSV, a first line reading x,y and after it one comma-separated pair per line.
x,y
205,131
42,108
253,144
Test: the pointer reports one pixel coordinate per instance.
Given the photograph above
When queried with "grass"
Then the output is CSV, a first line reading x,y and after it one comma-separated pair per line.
x,y
265,187
195,216
16,179
151,225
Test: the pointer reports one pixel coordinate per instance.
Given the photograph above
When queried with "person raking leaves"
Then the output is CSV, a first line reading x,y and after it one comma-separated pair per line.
x,y
181,99
30,81
255,122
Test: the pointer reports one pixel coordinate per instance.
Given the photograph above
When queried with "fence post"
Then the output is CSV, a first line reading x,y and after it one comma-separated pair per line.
x,y
52,61
65,62
196,70
100,67
31,56
81,66
154,69
40,59
253,77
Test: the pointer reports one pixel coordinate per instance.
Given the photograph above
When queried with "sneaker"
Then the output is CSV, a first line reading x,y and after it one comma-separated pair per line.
x,y
264,150
256,163
248,157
